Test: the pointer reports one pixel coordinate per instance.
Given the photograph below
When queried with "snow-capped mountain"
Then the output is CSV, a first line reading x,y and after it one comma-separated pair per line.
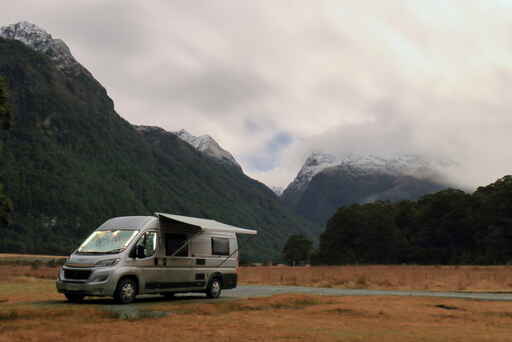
x,y
326,182
315,163
204,143
209,146
403,164
41,41
278,190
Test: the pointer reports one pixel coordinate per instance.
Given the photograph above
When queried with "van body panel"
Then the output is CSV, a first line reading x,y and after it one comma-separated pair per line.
x,y
180,258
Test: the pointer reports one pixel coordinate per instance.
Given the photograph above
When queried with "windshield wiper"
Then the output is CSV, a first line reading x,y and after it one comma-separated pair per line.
x,y
115,251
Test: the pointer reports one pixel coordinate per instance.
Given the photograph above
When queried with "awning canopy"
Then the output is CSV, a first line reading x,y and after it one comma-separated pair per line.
x,y
207,225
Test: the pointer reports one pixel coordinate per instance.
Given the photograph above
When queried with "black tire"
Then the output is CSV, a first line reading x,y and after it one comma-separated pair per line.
x,y
168,295
74,298
126,291
214,288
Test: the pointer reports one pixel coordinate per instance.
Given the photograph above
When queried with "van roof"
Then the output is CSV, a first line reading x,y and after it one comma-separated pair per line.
x,y
125,222
207,225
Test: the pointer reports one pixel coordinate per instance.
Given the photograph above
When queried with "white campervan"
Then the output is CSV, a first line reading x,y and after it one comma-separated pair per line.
x,y
162,254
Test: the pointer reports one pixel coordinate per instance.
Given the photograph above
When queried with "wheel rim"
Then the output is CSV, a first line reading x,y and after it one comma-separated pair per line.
x,y
127,292
215,288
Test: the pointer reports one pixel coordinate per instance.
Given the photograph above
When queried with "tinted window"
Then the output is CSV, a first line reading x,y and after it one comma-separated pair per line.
x,y
220,246
173,242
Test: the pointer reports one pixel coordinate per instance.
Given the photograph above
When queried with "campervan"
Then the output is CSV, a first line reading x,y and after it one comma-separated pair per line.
x,y
161,254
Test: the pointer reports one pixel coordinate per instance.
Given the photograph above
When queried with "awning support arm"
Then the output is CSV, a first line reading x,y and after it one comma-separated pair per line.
x,y
229,256
185,244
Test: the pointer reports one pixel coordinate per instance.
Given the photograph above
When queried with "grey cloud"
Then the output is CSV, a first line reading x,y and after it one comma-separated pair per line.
x,y
218,89
370,77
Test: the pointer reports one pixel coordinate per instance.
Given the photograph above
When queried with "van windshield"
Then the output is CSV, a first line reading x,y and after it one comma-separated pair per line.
x,y
107,241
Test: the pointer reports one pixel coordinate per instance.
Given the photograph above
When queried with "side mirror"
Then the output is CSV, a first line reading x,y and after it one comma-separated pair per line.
x,y
139,252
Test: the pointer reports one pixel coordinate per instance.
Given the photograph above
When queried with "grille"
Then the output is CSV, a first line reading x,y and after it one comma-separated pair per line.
x,y
77,274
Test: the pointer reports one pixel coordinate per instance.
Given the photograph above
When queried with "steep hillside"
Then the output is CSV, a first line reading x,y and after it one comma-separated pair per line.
x,y
326,183
446,227
70,162
204,143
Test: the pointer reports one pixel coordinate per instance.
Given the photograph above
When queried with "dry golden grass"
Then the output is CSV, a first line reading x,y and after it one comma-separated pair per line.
x,y
433,278
41,272
29,256
35,312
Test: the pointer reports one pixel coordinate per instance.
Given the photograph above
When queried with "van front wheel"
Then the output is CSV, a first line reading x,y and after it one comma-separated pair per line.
x,y
74,298
126,291
214,288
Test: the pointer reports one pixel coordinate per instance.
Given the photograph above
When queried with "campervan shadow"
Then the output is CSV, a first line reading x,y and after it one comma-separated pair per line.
x,y
162,254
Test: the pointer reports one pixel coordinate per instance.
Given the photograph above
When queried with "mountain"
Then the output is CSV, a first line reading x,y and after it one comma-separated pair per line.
x,y
204,143
278,190
41,41
444,228
314,164
69,162
326,182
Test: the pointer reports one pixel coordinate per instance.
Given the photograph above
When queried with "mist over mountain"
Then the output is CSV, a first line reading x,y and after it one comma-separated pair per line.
x,y
326,182
70,161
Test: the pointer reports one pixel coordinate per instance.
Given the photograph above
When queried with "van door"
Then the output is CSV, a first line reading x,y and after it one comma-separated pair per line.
x,y
145,263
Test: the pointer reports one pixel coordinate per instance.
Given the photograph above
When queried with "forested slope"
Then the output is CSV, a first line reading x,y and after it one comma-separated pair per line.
x,y
70,162
5,123
447,227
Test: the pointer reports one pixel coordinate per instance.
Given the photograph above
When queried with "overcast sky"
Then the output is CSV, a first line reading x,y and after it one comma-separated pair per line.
x,y
273,80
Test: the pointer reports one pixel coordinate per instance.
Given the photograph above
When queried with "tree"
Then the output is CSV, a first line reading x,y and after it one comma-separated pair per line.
x,y
360,233
5,113
5,123
298,248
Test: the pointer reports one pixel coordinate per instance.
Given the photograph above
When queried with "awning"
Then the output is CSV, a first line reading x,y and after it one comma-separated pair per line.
x,y
207,225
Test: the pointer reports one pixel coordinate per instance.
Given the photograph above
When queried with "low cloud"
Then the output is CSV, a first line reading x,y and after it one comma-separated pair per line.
x,y
273,81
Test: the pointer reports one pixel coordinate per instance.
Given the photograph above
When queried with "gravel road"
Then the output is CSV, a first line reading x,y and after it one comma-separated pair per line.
x,y
261,291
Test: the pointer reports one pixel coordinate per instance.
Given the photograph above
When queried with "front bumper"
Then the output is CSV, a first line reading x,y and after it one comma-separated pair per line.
x,y
89,287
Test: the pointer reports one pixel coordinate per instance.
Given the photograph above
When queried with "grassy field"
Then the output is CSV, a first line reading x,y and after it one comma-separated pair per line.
x,y
431,278
31,310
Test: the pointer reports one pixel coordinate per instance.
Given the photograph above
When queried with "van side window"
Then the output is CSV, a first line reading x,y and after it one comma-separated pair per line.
x,y
175,241
148,241
220,246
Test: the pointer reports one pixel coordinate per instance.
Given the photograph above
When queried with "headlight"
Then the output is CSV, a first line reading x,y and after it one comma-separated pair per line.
x,y
107,262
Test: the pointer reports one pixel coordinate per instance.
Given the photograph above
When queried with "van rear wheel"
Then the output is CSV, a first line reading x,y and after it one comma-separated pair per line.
x,y
214,288
74,298
126,291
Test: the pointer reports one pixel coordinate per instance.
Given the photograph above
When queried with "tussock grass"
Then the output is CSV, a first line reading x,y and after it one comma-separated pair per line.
x,y
34,312
433,278
28,272
278,302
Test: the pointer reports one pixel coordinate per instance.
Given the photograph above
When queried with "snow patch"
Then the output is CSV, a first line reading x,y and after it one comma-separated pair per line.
x,y
357,164
41,41
315,163
207,145
278,190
